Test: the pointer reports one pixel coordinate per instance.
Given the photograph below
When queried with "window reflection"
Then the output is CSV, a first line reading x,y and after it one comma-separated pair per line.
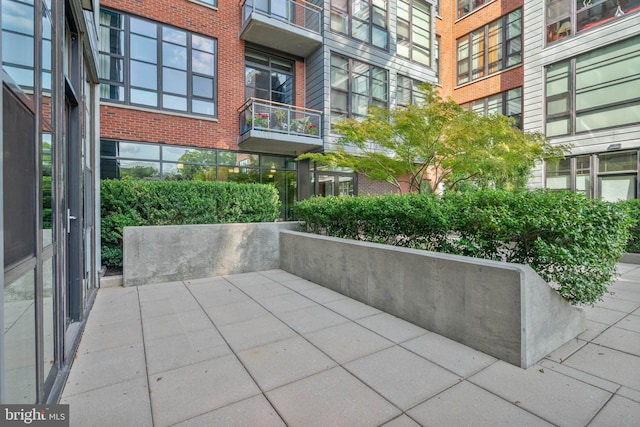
x,y
18,18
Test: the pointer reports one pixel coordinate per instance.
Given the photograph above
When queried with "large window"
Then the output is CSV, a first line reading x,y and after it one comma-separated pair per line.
x,y
355,86
365,20
508,103
268,77
133,160
494,47
467,6
595,90
408,92
567,17
153,65
414,30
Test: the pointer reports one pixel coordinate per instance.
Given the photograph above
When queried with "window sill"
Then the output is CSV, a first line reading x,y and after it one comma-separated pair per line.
x,y
497,73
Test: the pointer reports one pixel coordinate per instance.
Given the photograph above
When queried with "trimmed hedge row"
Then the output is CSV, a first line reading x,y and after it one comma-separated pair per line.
x,y
633,208
573,242
133,203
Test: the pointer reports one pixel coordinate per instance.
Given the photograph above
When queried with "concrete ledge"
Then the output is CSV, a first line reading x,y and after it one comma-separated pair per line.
x,y
505,310
111,281
158,254
630,258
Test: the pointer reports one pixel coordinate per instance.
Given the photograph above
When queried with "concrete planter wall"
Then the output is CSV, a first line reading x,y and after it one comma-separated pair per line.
x,y
158,254
505,310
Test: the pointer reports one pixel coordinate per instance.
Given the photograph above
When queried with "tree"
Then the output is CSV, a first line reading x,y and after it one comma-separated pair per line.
x,y
418,147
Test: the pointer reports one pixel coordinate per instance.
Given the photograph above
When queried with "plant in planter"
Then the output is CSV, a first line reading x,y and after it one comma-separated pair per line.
x,y
281,119
260,120
304,126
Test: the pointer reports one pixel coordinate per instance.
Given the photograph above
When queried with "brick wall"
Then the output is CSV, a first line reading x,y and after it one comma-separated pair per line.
x,y
223,23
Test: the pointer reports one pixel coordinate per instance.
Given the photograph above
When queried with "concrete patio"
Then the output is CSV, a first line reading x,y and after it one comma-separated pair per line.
x,y
271,349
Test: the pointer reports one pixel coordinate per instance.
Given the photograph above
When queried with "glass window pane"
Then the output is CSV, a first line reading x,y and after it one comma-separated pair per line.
x,y
174,102
144,97
202,43
142,27
174,81
203,107
143,75
202,62
174,56
360,30
143,48
339,100
339,22
48,316
202,87
111,68
17,49
174,36
616,188
136,169
114,92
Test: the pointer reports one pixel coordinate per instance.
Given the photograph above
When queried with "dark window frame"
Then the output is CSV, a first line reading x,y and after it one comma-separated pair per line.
x,y
348,16
270,68
504,102
410,25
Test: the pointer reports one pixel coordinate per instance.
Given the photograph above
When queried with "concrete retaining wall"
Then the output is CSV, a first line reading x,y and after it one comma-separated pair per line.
x,y
158,254
505,310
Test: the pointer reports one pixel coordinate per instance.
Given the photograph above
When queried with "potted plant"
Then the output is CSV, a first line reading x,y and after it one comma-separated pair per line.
x,y
259,120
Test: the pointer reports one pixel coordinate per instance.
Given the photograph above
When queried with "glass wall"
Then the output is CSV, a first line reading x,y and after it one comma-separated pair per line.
x,y
133,160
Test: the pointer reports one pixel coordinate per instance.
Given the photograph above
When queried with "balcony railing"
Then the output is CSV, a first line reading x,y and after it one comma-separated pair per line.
x,y
267,116
298,13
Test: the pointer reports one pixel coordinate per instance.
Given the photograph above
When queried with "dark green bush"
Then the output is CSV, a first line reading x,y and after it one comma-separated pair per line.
x,y
132,202
573,242
633,208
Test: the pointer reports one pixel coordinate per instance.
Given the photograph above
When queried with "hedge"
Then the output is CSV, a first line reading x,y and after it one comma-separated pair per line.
x,y
633,208
573,242
138,202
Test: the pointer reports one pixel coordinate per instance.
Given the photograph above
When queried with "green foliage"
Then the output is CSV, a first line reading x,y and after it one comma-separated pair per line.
x,y
420,146
134,203
571,241
633,209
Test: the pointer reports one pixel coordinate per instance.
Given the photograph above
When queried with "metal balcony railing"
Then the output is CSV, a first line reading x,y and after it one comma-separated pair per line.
x,y
299,13
268,116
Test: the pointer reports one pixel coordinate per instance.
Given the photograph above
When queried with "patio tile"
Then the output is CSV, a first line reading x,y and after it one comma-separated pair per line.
x,y
196,389
323,295
282,362
103,368
401,421
468,405
248,279
300,285
263,290
331,398
401,376
311,319
119,310
391,327
456,357
162,291
618,304
579,375
213,295
630,282
97,337
618,412
625,294
236,312
629,393
285,302
211,281
254,411
278,275
348,341
168,306
255,332
603,315
620,339
123,404
557,398
174,324
604,362
630,323
351,309
184,349
593,330
567,349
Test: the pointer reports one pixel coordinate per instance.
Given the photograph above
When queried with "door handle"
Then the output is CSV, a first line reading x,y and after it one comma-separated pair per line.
x,y
69,218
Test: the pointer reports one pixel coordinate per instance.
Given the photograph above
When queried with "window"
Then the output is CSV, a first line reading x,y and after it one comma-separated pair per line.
x,y
467,6
268,77
154,65
414,31
508,103
408,92
618,176
365,20
355,86
603,84
563,20
213,3
572,173
436,58
494,47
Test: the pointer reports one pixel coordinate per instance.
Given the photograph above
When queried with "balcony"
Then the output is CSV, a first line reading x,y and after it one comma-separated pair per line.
x,y
271,127
291,26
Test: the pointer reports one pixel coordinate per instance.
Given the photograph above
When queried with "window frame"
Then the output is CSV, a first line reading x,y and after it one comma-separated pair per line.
x,y
160,91
270,69
504,102
410,25
482,35
415,96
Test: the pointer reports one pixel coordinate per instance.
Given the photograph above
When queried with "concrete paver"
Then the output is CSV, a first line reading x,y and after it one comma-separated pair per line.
x,y
271,349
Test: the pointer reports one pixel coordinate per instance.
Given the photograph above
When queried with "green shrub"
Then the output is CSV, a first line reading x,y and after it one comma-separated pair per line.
x,y
573,242
633,209
137,202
